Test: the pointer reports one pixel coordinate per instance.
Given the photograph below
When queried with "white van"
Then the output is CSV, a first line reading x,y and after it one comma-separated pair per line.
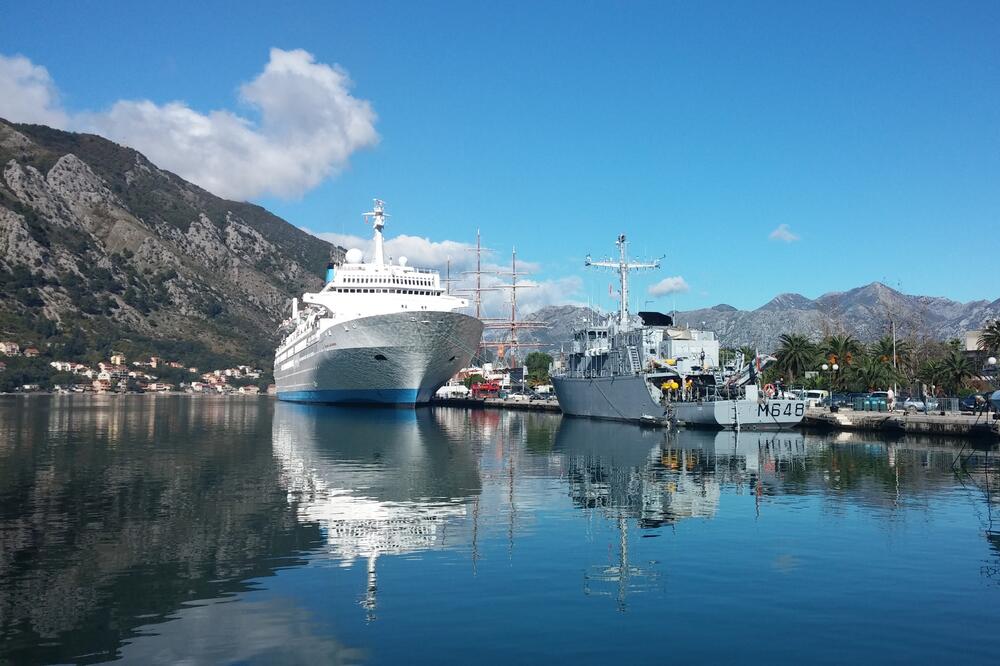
x,y
815,397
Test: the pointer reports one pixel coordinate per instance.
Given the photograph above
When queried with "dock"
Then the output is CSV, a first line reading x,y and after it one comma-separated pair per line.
x,y
550,405
950,425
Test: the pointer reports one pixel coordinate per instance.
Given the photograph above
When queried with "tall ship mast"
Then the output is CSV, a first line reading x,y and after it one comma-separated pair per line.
x,y
377,332
509,346
507,342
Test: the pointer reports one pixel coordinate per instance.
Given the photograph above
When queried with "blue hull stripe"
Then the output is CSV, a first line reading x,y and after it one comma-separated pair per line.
x,y
333,396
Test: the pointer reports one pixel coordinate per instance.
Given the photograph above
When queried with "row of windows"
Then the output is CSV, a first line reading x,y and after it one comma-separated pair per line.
x,y
360,290
395,280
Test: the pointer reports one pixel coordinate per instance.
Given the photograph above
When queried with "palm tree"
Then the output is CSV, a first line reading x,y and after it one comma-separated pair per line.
x,y
882,349
932,372
747,351
870,373
841,349
795,355
956,368
989,338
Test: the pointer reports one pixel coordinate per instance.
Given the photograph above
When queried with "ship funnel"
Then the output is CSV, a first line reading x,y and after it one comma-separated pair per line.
x,y
329,272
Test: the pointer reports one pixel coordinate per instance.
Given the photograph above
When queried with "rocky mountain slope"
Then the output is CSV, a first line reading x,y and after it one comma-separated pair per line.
x,y
864,312
96,240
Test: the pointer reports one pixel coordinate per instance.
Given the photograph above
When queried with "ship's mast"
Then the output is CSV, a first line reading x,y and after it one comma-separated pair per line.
x,y
622,267
512,344
377,218
477,291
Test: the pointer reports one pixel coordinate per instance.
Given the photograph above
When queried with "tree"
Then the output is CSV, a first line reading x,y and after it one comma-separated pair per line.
x,y
538,367
795,355
871,374
989,338
957,369
471,380
841,349
882,349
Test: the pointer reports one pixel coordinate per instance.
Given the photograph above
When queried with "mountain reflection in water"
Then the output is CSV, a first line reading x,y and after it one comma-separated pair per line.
x,y
164,529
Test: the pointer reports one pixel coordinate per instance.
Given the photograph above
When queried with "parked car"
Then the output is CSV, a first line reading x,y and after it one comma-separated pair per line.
x,y
839,400
914,404
970,402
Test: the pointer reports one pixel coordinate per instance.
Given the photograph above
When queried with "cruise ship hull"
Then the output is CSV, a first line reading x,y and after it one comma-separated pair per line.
x,y
400,358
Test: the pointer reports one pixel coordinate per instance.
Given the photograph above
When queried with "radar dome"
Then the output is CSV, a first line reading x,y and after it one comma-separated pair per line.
x,y
402,261
354,256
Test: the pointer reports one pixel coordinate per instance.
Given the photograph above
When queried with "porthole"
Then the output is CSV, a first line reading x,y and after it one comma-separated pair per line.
x,y
380,357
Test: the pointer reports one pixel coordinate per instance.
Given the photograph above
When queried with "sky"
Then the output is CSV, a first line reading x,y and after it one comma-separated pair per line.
x,y
758,148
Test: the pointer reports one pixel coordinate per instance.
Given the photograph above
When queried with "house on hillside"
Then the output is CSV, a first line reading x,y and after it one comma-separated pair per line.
x,y
118,359
8,348
249,390
31,352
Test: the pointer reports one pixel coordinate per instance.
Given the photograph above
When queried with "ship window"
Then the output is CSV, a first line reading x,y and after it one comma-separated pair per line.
x,y
380,357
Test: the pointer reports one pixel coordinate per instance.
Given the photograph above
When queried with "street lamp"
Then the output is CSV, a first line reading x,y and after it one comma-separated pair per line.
x,y
826,367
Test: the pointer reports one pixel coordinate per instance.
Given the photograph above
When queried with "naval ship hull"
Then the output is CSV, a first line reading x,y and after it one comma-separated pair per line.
x,y
627,398
400,358
618,398
743,414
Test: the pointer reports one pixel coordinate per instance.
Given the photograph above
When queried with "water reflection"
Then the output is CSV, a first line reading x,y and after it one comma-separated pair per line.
x,y
115,512
176,529
378,481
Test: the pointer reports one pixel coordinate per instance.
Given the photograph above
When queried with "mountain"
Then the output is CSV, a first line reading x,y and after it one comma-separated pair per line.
x,y
100,246
864,312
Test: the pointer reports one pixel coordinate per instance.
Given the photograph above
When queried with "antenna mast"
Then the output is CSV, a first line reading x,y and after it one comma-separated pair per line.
x,y
622,266
377,217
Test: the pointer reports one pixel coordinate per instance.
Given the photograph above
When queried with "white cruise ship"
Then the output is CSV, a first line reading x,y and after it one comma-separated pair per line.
x,y
378,332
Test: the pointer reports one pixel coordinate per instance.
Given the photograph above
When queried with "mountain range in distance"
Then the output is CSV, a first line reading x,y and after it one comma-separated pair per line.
x,y
866,312
94,238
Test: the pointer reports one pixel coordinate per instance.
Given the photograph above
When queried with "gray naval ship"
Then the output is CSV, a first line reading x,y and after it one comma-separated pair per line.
x,y
648,370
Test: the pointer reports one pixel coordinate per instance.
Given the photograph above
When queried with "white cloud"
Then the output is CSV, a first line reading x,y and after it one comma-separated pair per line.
x,y
426,253
783,233
669,285
421,252
27,93
309,126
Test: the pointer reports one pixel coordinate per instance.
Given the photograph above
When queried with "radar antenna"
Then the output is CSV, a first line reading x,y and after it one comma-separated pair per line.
x,y
377,218
622,266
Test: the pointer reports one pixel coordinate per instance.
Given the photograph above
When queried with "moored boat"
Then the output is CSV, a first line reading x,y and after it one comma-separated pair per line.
x,y
378,332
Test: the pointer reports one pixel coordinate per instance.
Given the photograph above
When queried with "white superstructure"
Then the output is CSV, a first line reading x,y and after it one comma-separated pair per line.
x,y
378,332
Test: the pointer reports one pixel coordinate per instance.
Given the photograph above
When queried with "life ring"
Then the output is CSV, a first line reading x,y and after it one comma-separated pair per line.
x,y
769,390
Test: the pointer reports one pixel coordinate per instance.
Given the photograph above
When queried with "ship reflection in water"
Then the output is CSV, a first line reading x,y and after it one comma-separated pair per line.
x,y
164,530
389,494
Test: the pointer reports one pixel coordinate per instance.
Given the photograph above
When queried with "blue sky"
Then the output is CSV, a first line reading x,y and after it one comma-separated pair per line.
x,y
698,129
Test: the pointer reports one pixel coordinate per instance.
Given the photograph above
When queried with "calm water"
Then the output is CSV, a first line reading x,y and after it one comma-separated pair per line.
x,y
158,530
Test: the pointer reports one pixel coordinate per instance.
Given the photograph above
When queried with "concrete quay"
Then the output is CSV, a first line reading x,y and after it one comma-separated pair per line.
x,y
550,405
951,425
